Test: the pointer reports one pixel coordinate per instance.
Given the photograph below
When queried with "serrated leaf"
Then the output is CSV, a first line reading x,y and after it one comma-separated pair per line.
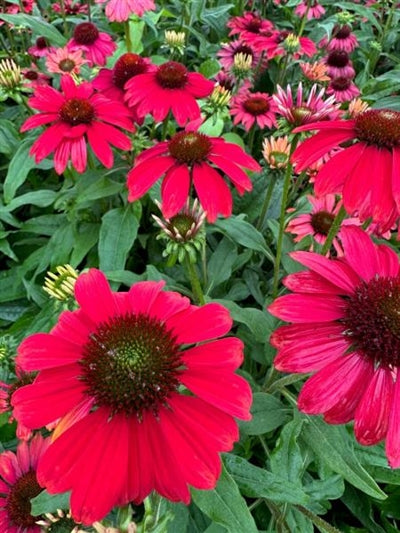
x,y
330,445
49,503
118,232
268,414
225,505
255,482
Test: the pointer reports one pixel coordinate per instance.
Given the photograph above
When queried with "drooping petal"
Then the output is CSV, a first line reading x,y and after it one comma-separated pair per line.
x,y
227,352
214,194
175,190
143,176
360,252
305,308
393,433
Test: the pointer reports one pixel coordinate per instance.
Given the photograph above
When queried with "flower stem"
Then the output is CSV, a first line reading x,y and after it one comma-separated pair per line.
x,y
319,522
197,291
333,230
252,133
285,192
267,201
128,41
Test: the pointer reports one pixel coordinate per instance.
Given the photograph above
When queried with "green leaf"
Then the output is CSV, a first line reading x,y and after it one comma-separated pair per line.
x,y
49,503
331,445
255,482
209,68
8,137
11,287
41,198
268,414
18,170
100,188
245,234
287,459
220,264
38,26
118,232
84,239
226,506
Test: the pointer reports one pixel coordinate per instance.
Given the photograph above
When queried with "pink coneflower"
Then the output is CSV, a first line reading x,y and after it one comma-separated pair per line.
x,y
343,89
342,39
298,111
339,64
249,108
283,43
64,60
71,7
170,87
34,78
366,171
225,80
345,328
318,221
120,10
249,26
316,71
312,9
18,484
41,48
111,82
187,159
97,46
147,391
6,391
77,113
226,55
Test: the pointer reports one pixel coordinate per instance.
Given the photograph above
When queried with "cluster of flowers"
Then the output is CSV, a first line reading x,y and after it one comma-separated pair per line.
x,y
146,367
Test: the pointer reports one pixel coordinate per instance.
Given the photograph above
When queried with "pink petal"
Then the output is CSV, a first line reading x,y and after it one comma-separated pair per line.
x,y
305,308
143,294
73,326
44,350
227,353
393,433
175,190
214,194
360,252
239,178
93,294
143,176
184,107
309,282
197,324
359,184
234,153
372,414
337,388
333,174
396,175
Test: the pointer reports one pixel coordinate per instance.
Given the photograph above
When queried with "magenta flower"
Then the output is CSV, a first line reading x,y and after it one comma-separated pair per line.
x,y
345,324
189,158
76,113
120,10
96,45
253,108
343,89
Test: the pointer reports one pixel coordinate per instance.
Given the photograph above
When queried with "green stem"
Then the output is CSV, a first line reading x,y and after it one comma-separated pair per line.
x,y
128,41
333,230
285,192
165,128
319,522
251,137
194,281
304,19
267,201
282,71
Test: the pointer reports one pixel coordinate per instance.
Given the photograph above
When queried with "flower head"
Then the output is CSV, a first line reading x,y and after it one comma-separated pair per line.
x,y
64,60
188,157
249,27
343,89
276,151
366,170
298,111
342,39
316,71
41,47
239,50
6,392
313,10
120,10
96,45
10,75
175,40
249,108
143,406
18,478
76,113
170,87
339,64
345,326
61,285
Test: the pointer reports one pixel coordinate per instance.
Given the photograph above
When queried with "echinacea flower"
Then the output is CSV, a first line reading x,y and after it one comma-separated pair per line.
x,y
339,64
356,106
249,26
96,45
170,87
284,42
319,220
312,10
276,151
144,407
70,7
316,71
41,48
18,484
299,110
34,77
120,10
77,113
64,60
367,171
188,158
343,89
342,39
6,392
345,324
226,55
249,108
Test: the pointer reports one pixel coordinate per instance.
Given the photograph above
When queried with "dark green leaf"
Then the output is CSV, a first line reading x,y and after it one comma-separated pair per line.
x,y
37,25
245,234
268,414
49,503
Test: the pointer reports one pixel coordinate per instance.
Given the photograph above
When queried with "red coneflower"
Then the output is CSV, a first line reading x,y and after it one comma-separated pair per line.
x,y
188,158
345,325
77,113
144,406
249,108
